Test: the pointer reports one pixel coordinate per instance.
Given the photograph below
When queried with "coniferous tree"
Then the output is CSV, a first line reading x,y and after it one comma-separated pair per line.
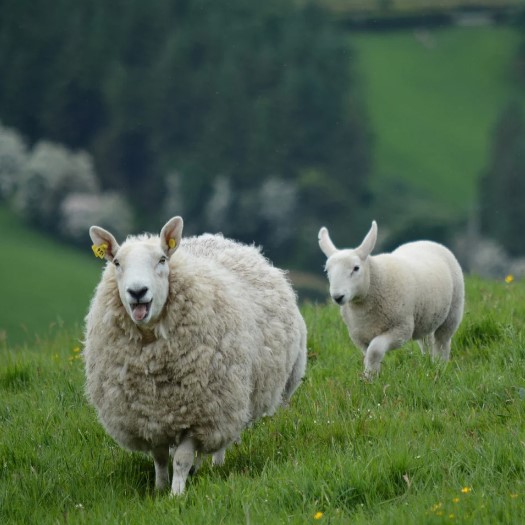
x,y
502,187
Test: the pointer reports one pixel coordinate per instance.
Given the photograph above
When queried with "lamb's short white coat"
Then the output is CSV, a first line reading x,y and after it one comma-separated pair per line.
x,y
187,342
415,292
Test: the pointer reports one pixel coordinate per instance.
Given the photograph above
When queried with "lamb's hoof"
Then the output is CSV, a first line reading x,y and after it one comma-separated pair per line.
x,y
368,376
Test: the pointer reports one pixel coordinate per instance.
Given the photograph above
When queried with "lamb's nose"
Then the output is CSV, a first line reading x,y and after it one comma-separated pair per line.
x,y
338,298
138,294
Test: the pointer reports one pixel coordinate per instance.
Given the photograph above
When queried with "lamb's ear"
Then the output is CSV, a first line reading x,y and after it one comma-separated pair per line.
x,y
104,244
366,247
325,243
170,235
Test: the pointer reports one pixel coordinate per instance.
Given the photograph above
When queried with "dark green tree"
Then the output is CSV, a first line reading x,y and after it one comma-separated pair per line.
x,y
502,186
244,91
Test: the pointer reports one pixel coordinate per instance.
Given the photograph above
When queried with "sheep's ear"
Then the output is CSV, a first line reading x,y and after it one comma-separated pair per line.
x,y
325,243
104,244
170,235
366,247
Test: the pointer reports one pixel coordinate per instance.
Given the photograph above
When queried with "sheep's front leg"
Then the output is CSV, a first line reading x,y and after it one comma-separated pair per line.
x,y
218,457
161,456
182,463
378,347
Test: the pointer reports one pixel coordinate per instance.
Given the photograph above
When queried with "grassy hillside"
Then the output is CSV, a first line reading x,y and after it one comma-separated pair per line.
x,y
433,98
422,444
44,284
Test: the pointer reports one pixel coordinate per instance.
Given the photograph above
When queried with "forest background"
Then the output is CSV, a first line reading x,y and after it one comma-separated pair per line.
x,y
263,121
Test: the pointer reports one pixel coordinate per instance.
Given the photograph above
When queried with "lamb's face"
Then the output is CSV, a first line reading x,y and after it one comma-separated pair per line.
x,y
142,272
349,276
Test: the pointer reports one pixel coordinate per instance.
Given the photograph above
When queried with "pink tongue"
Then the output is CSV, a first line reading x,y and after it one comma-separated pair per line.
x,y
140,311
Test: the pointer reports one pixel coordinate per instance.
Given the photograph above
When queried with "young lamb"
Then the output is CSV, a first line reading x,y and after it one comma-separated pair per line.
x,y
415,292
188,342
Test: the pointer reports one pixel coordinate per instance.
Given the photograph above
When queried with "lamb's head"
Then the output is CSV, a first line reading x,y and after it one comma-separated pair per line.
x,y
141,268
348,270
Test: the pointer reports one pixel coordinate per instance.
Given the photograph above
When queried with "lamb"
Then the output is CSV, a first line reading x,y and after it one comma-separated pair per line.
x,y
187,342
415,292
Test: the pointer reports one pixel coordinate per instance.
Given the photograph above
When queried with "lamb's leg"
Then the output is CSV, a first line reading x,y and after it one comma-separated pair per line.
x,y
441,348
161,456
426,344
182,463
443,335
379,346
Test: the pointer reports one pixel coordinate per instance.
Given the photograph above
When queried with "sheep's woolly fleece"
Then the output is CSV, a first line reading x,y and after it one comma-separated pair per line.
x,y
415,292
228,348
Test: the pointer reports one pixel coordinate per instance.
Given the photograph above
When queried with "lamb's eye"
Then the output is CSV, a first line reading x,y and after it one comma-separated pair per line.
x,y
356,269
116,263
162,260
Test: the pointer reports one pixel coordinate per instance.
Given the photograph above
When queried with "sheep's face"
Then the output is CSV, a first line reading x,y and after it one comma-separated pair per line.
x,y
142,272
348,270
349,276
141,267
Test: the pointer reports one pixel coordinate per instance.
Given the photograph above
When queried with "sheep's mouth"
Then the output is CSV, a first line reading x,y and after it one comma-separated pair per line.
x,y
140,311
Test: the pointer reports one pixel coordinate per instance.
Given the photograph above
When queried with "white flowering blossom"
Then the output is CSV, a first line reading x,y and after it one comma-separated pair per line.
x,y
52,173
79,211
13,160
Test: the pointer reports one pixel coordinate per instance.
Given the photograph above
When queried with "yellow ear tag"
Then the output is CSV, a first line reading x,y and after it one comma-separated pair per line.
x,y
100,250
172,243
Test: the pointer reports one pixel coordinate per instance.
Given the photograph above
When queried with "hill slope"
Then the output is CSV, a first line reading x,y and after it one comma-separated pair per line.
x,y
43,283
433,98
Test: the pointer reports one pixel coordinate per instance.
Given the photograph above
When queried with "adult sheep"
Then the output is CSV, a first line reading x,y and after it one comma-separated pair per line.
x,y
415,292
188,342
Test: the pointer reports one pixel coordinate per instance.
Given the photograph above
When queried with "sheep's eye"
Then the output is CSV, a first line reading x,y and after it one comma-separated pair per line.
x,y
356,268
162,260
116,263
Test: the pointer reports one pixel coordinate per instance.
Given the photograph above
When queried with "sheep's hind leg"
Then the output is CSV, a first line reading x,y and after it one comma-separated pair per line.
x,y
182,463
161,456
294,380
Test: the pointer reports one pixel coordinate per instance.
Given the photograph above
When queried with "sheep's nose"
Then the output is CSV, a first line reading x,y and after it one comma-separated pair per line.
x,y
338,298
138,294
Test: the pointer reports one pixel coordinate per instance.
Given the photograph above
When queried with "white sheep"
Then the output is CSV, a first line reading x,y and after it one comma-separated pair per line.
x,y
415,292
188,342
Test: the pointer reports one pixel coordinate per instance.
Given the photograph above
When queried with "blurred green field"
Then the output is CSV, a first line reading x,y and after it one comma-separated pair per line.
x,y
44,283
433,97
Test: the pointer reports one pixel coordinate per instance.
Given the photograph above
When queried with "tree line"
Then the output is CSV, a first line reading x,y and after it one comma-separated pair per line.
x,y
244,117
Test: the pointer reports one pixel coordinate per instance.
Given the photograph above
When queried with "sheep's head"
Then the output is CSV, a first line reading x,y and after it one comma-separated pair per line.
x,y
348,270
141,268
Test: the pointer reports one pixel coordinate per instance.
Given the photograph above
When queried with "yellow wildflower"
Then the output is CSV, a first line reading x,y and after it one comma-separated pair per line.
x,y
318,515
76,350
466,490
436,507
455,500
509,278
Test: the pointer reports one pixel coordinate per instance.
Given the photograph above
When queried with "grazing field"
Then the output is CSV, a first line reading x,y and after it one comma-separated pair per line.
x,y
424,443
44,283
433,97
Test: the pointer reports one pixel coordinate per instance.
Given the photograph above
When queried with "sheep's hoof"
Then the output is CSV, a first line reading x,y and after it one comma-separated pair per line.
x,y
177,487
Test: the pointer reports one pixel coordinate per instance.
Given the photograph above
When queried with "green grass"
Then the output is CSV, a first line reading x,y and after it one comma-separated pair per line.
x,y
396,451
44,284
433,107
